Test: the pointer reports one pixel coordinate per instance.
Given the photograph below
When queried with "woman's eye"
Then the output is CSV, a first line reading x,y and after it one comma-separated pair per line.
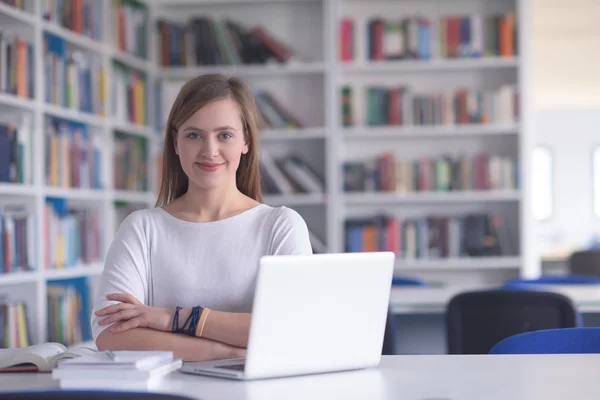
x,y
193,136
225,135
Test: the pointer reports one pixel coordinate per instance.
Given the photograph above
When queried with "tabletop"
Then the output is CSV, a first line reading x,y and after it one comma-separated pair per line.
x,y
419,377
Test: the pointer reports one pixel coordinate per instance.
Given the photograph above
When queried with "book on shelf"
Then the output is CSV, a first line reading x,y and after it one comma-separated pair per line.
x,y
129,19
17,75
83,17
129,92
73,156
445,173
428,38
15,330
41,357
72,236
288,175
68,310
206,41
17,229
130,164
74,79
273,113
431,236
15,149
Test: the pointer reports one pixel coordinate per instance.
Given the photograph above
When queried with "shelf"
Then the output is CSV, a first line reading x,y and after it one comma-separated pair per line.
x,y
77,271
16,189
431,65
74,115
7,99
73,38
292,134
266,70
134,197
383,198
179,3
464,263
75,193
415,132
16,278
131,60
16,14
138,130
299,199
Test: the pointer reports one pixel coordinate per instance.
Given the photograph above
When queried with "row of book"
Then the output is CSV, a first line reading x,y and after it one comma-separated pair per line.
x,y
431,236
17,73
72,236
15,150
130,24
425,38
130,165
69,308
19,4
80,16
17,227
404,106
205,41
14,325
385,173
287,175
73,158
129,93
273,113
73,79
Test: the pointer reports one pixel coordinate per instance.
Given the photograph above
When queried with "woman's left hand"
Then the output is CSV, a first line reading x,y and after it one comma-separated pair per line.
x,y
132,313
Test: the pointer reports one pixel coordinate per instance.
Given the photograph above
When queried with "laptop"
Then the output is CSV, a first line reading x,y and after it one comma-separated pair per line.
x,y
313,314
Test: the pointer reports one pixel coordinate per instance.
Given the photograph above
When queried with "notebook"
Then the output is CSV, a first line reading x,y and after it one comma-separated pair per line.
x,y
125,359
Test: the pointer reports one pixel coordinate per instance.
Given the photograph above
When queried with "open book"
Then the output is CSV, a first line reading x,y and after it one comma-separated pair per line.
x,y
41,357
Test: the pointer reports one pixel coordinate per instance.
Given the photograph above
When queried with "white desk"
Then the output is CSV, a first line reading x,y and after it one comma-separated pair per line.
x,y
545,377
433,300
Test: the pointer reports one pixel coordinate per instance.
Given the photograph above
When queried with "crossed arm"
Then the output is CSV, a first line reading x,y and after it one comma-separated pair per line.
x,y
136,326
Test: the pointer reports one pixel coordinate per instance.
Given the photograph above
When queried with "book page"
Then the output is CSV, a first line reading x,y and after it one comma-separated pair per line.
x,y
36,354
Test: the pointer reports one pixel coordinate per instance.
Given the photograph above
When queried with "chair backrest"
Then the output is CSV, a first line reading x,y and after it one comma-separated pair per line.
x,y
478,320
585,263
551,341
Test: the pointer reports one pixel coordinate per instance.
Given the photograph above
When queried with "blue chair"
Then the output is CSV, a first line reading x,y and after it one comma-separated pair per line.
x,y
572,279
108,394
407,281
551,341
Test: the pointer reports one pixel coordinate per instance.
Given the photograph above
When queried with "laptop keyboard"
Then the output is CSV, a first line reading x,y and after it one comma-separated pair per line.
x,y
235,367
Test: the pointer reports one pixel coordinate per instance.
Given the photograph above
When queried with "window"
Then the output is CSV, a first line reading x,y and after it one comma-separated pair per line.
x,y
596,181
542,183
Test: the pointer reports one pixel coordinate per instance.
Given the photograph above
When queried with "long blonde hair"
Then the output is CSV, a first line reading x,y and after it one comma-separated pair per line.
x,y
194,95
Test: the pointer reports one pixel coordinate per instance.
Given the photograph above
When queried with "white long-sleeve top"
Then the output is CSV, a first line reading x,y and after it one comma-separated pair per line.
x,y
166,262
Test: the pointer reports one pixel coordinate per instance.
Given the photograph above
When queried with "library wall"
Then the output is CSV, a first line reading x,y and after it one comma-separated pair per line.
x,y
566,97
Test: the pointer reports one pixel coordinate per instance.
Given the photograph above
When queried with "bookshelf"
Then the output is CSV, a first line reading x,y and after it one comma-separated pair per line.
x,y
72,88
308,88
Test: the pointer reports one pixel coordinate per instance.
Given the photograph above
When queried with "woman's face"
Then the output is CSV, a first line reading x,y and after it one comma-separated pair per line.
x,y
210,144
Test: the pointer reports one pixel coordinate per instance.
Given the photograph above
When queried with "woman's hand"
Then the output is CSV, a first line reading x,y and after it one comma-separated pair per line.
x,y
131,313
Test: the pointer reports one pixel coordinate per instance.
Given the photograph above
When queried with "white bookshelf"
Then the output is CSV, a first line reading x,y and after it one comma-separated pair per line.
x,y
30,287
310,85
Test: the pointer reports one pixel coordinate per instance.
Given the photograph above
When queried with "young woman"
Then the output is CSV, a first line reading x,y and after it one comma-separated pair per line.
x,y
199,248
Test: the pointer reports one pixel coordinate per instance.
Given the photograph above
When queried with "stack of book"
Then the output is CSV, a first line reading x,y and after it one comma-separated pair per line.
x,y
122,370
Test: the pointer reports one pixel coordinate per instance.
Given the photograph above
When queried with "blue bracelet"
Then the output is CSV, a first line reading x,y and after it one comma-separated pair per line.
x,y
191,323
